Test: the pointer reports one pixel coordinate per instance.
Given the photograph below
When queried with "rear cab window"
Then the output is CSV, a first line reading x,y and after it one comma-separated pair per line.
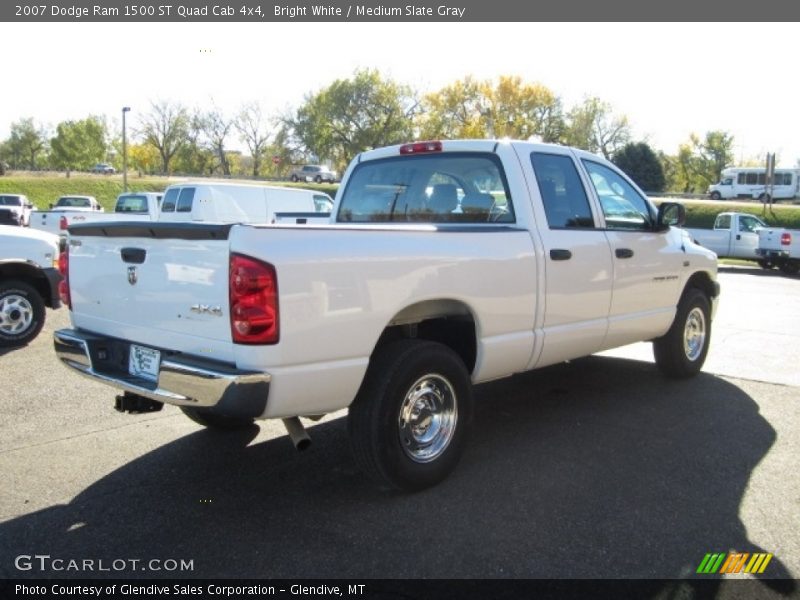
x,y
451,187
132,204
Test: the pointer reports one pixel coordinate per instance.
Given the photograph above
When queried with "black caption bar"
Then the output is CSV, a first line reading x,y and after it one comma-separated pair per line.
x,y
394,589
251,11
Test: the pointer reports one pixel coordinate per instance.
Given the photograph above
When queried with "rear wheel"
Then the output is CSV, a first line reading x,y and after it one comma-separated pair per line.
x,y
22,313
408,423
682,351
213,420
765,198
790,267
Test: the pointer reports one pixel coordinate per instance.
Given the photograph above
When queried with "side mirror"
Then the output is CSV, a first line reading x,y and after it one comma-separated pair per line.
x,y
670,214
51,205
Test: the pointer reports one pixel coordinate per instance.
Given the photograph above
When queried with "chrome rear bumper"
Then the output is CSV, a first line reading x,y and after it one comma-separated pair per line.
x,y
182,380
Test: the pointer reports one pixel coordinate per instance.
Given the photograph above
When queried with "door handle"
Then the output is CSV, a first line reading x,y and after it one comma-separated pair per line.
x,y
624,253
559,254
134,256
738,236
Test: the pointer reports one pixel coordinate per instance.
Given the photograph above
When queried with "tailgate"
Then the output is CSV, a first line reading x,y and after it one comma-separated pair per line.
x,y
770,239
163,285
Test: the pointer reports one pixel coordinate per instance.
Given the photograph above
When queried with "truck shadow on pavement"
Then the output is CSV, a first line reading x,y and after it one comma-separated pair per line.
x,y
595,469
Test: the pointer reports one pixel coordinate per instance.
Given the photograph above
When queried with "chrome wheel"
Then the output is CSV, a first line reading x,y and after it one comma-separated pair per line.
x,y
16,314
427,419
694,334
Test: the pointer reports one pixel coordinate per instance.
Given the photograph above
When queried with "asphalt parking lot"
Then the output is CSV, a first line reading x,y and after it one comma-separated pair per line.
x,y
599,468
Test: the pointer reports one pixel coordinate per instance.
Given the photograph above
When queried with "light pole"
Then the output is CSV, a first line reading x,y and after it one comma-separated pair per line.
x,y
124,152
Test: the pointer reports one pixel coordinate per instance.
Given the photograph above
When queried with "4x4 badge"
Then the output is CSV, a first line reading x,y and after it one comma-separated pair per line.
x,y
133,276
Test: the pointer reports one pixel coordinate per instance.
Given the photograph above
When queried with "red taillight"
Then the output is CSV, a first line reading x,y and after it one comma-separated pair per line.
x,y
253,290
62,223
63,285
786,239
421,147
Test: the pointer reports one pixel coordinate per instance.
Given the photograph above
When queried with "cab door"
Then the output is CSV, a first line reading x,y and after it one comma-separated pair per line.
x,y
577,257
646,263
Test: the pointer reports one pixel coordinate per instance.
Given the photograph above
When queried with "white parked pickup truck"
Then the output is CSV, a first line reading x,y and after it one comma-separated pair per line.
x,y
57,218
779,247
29,280
445,264
735,235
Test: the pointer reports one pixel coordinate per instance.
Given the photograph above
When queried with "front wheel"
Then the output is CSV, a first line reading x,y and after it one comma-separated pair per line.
x,y
408,423
681,352
716,195
22,313
294,178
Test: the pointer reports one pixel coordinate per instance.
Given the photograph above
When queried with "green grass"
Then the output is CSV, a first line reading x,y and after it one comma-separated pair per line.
x,y
44,189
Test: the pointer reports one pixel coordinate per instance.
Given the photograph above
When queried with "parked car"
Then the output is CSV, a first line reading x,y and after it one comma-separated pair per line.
x,y
779,247
103,169
56,220
735,235
15,209
315,173
398,305
29,280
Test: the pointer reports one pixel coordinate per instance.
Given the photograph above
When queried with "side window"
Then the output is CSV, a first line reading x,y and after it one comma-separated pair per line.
x,y
624,208
563,196
170,198
723,222
322,204
741,178
185,200
749,223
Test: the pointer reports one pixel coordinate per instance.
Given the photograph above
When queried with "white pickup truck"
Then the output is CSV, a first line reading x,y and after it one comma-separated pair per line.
x,y
57,218
735,235
445,264
29,280
779,247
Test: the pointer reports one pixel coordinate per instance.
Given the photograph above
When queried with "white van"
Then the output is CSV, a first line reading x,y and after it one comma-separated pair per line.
x,y
221,202
750,182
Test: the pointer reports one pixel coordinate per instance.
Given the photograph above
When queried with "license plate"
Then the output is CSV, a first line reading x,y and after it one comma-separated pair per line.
x,y
143,362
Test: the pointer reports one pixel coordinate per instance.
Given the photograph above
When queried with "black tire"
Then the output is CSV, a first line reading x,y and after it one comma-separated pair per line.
x,y
765,264
213,420
294,178
317,179
402,378
790,267
765,198
22,313
681,352
716,196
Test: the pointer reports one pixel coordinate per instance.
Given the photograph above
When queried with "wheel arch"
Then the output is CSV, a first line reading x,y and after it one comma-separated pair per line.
x,y
447,321
702,280
30,274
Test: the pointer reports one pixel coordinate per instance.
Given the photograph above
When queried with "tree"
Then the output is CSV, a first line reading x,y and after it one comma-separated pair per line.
x,y
165,128
27,142
353,115
216,127
700,161
593,127
250,124
642,165
79,144
509,108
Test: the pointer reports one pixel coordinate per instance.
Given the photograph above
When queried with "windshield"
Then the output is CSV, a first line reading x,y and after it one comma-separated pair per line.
x,y
435,188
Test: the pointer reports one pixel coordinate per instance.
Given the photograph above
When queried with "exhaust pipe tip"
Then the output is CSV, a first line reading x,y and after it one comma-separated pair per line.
x,y
297,433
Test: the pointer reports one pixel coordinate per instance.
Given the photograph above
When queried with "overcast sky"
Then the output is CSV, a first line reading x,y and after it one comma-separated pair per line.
x,y
669,79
